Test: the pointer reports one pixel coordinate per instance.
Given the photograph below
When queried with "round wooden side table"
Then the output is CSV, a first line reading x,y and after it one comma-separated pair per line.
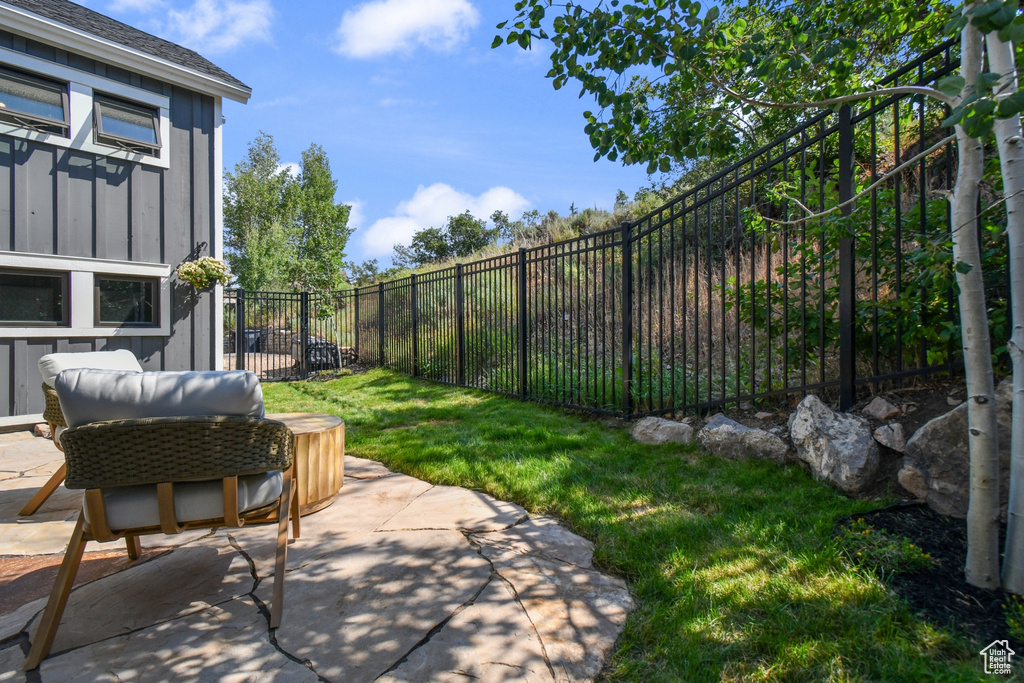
x,y
319,456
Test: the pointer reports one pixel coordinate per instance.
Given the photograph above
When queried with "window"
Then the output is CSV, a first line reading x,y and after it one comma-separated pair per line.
x,y
126,301
126,125
35,103
34,298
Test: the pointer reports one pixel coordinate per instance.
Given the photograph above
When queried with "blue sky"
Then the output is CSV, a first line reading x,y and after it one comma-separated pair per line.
x,y
420,118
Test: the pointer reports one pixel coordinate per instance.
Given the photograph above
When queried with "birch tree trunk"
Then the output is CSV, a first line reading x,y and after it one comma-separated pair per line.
x,y
1011,163
982,567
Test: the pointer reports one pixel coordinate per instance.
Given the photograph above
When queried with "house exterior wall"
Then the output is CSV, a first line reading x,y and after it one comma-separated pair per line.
x,y
63,202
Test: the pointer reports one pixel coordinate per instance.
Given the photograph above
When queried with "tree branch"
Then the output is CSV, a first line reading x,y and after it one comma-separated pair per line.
x,y
909,162
831,102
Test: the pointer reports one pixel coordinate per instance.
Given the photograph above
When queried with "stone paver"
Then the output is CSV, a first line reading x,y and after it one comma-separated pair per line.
x,y
398,580
357,468
224,643
451,507
490,640
355,619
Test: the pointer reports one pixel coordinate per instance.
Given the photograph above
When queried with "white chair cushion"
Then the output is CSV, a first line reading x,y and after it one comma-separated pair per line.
x,y
132,507
52,364
88,395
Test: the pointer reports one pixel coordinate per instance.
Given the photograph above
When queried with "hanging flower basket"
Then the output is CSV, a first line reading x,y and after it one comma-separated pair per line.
x,y
204,272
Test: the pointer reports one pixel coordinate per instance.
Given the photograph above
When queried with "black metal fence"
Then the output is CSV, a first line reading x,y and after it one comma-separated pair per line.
x,y
723,295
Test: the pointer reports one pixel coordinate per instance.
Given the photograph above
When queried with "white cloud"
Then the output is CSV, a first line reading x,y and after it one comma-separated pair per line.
x,y
430,207
356,214
381,27
135,5
286,101
292,168
218,26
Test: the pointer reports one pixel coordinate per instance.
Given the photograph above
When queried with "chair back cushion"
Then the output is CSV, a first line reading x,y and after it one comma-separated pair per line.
x,y
88,395
52,364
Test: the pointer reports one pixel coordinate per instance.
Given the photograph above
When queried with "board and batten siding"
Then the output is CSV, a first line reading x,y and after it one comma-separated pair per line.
x,y
68,203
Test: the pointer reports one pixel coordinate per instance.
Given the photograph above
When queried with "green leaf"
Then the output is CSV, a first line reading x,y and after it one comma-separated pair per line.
x,y
664,166
498,40
1011,105
962,267
1013,32
954,25
951,85
984,107
712,14
511,38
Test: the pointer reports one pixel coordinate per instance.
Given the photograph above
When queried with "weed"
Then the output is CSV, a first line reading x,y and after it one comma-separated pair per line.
x,y
881,551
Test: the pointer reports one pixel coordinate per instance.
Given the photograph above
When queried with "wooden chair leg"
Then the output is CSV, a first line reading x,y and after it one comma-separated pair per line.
x,y
284,509
296,527
45,491
50,619
53,435
134,547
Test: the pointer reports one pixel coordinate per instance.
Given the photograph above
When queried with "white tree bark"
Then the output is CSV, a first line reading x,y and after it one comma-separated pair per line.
x,y
982,566
1011,163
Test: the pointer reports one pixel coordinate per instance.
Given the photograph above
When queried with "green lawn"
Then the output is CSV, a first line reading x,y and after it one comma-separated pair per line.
x,y
733,565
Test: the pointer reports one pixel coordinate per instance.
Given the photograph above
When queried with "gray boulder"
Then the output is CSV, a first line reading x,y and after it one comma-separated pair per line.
x,y
838,447
892,436
937,464
733,441
658,430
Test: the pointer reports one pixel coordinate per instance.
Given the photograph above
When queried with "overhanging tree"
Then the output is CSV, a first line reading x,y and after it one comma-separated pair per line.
x,y
674,82
259,209
322,229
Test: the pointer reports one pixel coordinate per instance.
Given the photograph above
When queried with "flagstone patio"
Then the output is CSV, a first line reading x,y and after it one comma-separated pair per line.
x,y
398,580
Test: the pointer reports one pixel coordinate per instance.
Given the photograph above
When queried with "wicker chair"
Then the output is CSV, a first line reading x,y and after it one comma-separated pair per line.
x,y
166,475
49,366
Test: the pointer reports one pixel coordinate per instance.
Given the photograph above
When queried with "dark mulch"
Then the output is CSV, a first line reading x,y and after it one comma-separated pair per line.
x,y
941,595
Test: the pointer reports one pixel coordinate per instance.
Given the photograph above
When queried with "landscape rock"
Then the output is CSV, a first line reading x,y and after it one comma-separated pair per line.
x,y
838,447
880,409
733,441
892,436
763,415
658,430
42,430
936,462
953,401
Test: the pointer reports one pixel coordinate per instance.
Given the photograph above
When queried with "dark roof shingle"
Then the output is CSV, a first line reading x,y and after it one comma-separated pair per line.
x,y
97,24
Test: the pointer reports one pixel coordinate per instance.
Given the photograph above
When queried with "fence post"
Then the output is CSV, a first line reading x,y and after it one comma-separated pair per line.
x,y
355,324
460,328
380,323
304,333
847,268
415,329
522,338
240,329
627,320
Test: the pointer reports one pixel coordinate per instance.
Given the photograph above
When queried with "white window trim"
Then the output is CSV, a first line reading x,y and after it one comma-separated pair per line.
x,y
82,274
80,117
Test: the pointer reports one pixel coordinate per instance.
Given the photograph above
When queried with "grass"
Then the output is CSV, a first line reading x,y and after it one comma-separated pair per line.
x,y
735,569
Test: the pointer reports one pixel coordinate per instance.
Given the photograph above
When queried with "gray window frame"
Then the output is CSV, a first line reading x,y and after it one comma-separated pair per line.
x,y
154,281
118,141
65,296
39,124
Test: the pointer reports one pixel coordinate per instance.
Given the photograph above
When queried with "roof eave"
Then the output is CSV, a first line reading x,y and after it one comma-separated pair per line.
x,y
69,38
